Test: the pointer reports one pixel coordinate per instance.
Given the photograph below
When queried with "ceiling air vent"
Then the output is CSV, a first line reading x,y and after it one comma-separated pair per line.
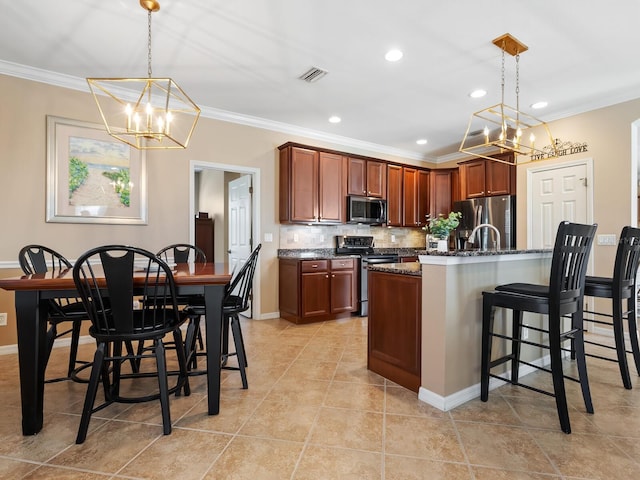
x,y
313,75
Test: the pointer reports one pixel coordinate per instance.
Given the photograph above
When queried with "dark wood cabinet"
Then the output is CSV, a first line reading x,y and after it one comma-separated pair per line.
x,y
318,290
394,195
484,178
312,186
442,181
395,327
367,178
204,233
415,197
407,196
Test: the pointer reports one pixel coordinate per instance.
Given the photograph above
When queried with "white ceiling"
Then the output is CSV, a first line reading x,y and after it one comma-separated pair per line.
x,y
240,59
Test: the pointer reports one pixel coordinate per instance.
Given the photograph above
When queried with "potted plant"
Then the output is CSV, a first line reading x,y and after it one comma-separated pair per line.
x,y
441,226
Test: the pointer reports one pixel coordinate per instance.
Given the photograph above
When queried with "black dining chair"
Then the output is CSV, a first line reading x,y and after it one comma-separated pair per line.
x,y
181,254
620,287
562,296
237,300
109,279
35,259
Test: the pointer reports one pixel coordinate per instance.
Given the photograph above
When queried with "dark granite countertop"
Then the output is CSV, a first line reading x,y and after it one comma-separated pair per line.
x,y
328,253
408,268
321,253
479,253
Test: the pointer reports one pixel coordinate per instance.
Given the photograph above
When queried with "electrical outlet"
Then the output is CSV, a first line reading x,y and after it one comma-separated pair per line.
x,y
525,333
295,237
393,238
3,319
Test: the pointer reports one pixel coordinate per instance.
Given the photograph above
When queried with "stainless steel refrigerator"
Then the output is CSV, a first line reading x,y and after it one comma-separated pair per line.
x,y
499,211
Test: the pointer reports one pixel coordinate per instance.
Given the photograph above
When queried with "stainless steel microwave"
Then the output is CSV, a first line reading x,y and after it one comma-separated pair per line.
x,y
366,210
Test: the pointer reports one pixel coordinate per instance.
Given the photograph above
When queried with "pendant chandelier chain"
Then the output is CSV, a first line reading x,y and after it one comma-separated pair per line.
x,y
518,82
502,84
149,44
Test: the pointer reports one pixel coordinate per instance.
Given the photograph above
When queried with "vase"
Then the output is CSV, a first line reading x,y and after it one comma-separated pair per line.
x,y
432,242
443,245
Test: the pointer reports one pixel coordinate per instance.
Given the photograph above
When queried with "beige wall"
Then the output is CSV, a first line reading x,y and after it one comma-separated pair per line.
x,y
607,132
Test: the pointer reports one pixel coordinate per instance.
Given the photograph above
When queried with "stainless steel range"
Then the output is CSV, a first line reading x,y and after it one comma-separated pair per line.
x,y
362,246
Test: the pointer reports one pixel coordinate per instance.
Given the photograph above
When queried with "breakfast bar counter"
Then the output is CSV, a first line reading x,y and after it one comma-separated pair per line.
x,y
450,313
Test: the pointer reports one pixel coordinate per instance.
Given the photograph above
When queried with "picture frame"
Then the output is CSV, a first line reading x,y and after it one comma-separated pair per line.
x,y
92,177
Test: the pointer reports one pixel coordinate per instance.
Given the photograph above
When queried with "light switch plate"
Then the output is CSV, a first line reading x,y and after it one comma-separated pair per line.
x,y
607,239
3,319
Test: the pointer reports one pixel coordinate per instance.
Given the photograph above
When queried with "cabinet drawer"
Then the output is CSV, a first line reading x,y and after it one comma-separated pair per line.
x,y
342,263
314,265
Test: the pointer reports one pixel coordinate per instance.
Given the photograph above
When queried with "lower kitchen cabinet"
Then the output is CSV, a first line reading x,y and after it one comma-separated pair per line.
x,y
395,327
318,290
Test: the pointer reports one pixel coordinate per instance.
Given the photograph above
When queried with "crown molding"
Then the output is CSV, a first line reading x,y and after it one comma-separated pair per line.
x,y
80,84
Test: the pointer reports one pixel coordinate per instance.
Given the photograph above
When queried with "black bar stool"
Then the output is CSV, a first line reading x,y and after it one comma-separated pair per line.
x,y
563,296
622,286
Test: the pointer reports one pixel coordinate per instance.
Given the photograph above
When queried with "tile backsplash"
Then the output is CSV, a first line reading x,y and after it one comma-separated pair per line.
x,y
313,236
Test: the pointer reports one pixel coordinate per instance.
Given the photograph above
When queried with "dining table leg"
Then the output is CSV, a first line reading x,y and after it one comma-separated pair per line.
x,y
31,315
213,297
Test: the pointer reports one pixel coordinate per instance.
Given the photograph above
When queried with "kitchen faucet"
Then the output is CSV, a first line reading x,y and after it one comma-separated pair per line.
x,y
472,237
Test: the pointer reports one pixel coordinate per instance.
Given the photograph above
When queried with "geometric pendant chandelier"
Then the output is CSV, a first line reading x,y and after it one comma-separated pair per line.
x,y
146,113
502,128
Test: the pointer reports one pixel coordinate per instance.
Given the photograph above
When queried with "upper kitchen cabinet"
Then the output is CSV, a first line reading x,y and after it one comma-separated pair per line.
x,y
443,190
312,185
394,195
415,196
407,196
367,178
483,178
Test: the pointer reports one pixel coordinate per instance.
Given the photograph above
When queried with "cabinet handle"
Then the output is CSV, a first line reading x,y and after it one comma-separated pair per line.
x,y
333,276
326,276
314,266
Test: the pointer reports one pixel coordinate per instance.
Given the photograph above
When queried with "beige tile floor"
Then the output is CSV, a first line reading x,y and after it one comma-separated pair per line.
x,y
313,411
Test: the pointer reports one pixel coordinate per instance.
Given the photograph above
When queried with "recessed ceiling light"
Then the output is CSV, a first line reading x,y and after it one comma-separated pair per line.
x,y
478,93
335,119
422,141
393,55
539,105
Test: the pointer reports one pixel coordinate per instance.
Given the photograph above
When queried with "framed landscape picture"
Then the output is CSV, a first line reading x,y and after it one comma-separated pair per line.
x,y
92,177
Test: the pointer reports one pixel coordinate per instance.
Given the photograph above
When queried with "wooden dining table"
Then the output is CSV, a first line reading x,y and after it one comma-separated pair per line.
x,y
32,293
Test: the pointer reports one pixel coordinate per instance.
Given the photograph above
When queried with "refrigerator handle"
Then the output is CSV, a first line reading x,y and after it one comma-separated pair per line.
x,y
478,215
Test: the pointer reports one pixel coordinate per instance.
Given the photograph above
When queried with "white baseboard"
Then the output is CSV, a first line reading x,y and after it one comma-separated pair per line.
x,y
63,342
462,396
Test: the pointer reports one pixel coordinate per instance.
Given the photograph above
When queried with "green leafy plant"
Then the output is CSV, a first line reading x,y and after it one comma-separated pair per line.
x,y
442,226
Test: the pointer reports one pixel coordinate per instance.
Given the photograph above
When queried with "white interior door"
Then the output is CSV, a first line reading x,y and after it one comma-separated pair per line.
x,y
556,194
239,221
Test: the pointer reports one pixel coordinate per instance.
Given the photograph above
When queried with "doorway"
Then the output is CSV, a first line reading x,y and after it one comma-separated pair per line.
x,y
555,193
226,174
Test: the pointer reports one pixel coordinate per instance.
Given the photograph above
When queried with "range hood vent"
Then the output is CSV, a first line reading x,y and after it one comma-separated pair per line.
x,y
313,75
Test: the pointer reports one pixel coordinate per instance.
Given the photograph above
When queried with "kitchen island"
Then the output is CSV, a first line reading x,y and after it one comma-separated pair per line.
x,y
448,321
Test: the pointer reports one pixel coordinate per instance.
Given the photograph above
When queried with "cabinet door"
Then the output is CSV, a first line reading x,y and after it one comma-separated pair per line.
x,y
331,201
304,185
422,197
394,195
395,326
357,183
440,192
410,189
343,296
316,294
475,179
498,178
376,179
